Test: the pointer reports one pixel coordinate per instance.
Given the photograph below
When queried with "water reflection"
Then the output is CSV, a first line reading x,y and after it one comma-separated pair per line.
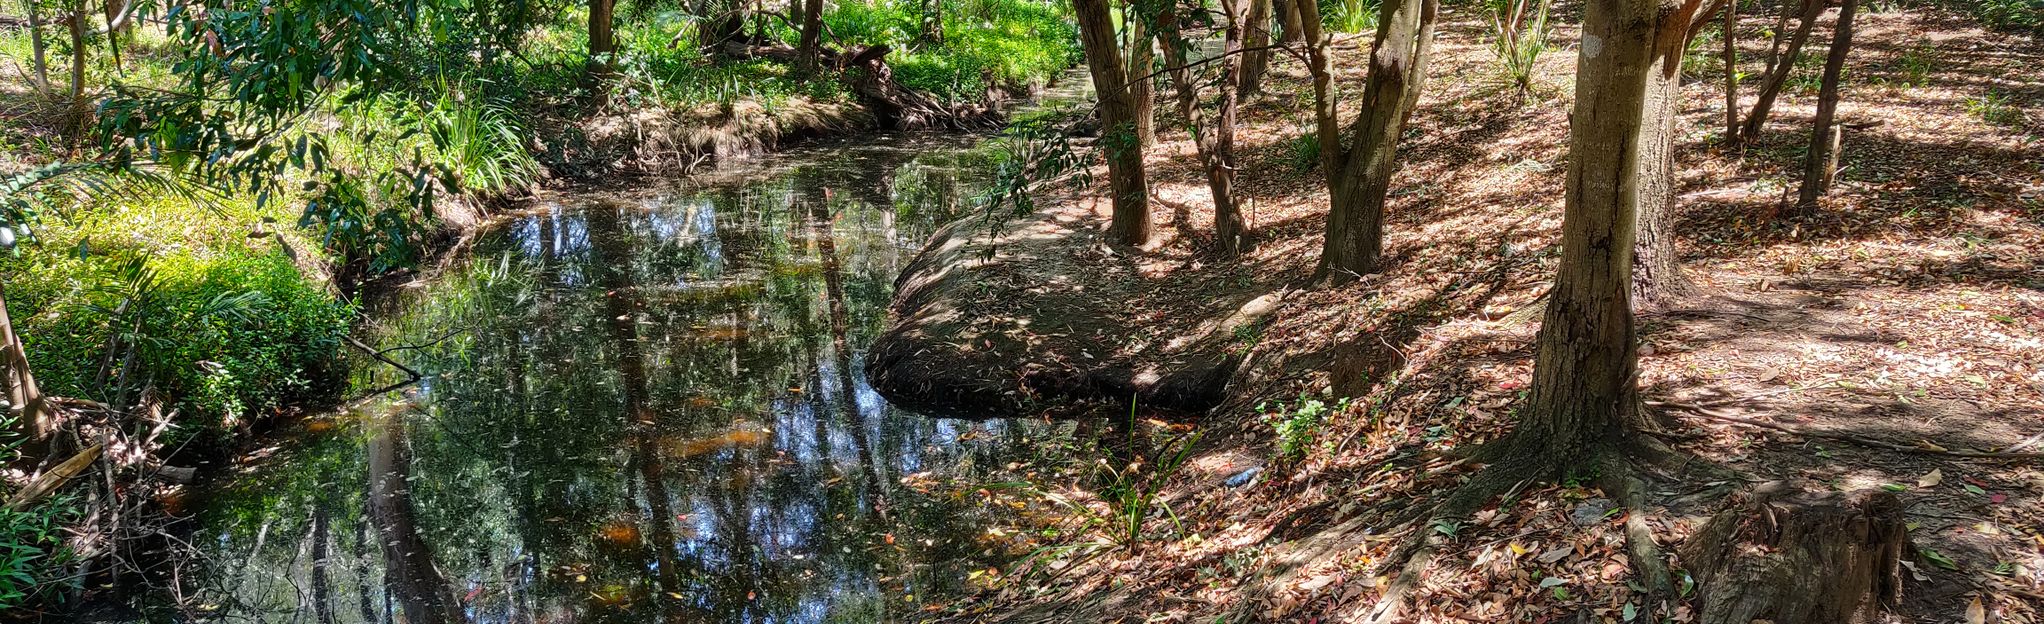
x,y
641,408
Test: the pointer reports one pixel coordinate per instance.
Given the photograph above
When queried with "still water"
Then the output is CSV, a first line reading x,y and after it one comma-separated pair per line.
x,y
640,406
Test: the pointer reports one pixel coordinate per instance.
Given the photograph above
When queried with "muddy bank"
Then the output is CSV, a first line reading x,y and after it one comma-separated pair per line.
x,y
1040,318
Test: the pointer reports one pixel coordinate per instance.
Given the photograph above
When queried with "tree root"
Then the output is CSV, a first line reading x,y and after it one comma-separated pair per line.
x,y
1925,447
1624,468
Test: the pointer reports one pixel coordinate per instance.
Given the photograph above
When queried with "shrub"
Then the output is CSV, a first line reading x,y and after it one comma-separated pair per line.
x,y
1520,29
1350,16
185,301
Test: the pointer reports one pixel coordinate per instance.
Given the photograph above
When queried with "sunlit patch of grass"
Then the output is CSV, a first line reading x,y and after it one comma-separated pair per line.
x,y
1996,107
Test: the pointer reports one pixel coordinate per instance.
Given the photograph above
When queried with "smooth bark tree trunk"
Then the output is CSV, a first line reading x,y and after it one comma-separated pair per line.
x,y
1142,89
38,47
1217,144
1359,176
1778,72
1290,27
1256,34
1821,161
1731,61
933,22
1584,397
602,47
1129,183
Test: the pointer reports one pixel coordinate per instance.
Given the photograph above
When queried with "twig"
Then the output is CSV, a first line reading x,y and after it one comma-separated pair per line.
x,y
415,376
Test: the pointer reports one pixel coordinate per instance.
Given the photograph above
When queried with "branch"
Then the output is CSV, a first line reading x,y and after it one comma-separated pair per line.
x,y
1274,46
415,376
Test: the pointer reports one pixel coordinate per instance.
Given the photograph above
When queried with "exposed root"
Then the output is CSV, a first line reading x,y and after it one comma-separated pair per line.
x,y
1924,447
1624,468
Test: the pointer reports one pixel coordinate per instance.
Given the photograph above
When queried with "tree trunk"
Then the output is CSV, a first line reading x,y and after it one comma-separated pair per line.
x,y
1584,399
1142,89
1731,72
35,42
812,37
1359,179
1657,277
1821,161
1130,185
933,22
1290,30
33,418
1792,556
1217,144
602,47
80,111
1255,35
1778,72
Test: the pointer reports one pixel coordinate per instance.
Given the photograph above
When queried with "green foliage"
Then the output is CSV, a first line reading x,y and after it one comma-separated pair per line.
x,y
1996,107
31,542
228,324
987,43
1350,16
1304,151
2010,15
1915,65
1520,30
32,549
1131,491
1298,424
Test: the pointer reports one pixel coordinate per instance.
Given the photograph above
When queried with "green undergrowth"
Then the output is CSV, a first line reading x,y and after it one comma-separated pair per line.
x,y
177,298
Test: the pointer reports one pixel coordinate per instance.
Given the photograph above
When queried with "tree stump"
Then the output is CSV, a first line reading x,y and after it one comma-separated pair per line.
x,y
1793,556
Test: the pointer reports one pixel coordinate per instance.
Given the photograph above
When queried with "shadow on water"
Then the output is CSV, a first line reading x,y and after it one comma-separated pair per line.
x,y
640,407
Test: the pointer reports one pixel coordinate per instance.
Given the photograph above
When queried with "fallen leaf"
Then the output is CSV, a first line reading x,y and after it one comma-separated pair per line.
x,y
1555,555
1931,479
1976,613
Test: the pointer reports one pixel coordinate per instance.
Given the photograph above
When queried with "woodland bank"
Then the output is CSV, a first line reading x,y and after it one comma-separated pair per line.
x,y
1346,411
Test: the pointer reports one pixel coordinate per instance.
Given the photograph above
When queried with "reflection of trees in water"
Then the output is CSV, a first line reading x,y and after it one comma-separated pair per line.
x,y
545,473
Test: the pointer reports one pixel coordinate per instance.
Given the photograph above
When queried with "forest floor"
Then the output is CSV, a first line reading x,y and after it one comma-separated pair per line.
x,y
1904,319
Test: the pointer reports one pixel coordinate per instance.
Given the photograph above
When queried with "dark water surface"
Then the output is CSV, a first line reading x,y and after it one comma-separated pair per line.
x,y
643,406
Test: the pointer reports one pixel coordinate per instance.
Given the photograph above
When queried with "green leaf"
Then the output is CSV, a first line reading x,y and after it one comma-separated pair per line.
x,y
1938,559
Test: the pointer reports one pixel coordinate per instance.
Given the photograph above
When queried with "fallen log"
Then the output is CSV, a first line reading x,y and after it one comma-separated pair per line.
x,y
1789,555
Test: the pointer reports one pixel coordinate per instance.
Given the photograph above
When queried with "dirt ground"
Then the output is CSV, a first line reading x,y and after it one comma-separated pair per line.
x,y
1908,316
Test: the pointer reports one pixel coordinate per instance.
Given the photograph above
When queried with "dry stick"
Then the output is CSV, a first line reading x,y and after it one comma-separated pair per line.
x,y
1928,449
415,376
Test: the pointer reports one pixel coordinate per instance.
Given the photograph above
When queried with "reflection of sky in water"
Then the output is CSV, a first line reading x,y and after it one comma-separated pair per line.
x,y
544,472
